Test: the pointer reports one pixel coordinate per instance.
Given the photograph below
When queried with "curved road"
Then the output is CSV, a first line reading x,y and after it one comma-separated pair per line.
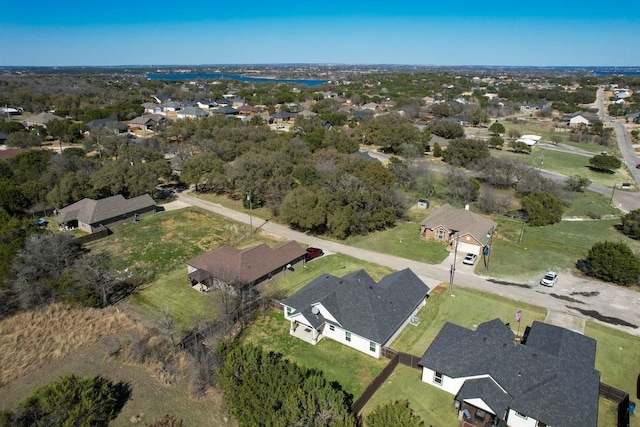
x,y
570,302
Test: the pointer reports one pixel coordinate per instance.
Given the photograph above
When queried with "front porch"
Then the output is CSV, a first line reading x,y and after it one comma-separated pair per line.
x,y
305,333
472,416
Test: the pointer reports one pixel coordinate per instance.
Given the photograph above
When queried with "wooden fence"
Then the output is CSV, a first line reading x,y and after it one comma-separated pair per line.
x,y
375,385
83,240
621,398
395,358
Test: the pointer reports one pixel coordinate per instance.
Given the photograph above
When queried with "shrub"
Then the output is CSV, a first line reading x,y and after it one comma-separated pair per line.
x,y
612,262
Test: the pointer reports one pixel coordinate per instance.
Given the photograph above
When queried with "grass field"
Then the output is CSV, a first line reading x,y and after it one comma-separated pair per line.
x,y
172,294
468,308
556,246
352,369
162,242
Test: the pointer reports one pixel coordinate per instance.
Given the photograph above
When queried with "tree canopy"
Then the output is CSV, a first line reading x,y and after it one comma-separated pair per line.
x,y
542,209
604,163
266,389
612,262
70,401
631,224
393,413
464,151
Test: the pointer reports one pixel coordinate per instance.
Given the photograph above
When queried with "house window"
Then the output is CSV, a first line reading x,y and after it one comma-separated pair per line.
x,y
437,378
372,346
440,234
521,415
347,336
332,328
480,414
288,311
541,424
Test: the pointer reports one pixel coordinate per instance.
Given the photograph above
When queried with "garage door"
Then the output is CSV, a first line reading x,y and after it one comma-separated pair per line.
x,y
468,248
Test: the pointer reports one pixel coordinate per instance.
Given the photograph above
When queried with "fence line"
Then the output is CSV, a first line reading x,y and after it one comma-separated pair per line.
x,y
374,385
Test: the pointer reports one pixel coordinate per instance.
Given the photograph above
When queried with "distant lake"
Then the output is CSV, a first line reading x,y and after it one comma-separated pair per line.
x,y
215,76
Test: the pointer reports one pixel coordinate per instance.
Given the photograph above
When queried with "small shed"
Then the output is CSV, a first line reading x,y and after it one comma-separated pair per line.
x,y
423,203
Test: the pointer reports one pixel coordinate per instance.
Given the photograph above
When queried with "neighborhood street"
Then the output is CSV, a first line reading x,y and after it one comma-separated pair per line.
x,y
570,302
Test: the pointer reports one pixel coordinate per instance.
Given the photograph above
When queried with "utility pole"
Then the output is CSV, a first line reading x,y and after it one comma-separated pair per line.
x,y
453,266
613,192
250,213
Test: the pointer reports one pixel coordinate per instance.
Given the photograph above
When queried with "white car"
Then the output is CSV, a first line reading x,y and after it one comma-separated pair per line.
x,y
470,259
549,279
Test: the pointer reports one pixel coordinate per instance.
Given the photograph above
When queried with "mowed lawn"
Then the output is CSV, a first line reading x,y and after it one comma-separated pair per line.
x,y
558,246
352,369
468,308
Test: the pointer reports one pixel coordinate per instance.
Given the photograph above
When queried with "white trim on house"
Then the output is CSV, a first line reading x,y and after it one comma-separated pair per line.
x,y
515,419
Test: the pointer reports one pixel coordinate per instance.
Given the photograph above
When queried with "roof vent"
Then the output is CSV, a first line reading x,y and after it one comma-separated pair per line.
x,y
315,310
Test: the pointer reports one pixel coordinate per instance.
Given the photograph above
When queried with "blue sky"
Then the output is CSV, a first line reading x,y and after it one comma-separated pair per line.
x,y
188,32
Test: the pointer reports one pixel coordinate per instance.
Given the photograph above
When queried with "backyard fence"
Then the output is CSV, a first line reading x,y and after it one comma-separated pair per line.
x,y
83,240
395,358
621,398
374,385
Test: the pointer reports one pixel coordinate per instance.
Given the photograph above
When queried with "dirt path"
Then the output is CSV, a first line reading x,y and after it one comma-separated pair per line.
x,y
575,296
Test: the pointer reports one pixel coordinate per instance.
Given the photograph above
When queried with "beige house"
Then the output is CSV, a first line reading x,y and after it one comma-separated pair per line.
x,y
471,231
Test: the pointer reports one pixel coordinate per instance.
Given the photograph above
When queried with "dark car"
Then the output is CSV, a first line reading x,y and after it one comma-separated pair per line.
x,y
313,253
638,166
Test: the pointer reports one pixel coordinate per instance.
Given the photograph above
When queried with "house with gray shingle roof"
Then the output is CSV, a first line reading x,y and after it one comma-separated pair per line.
x,y
355,310
471,231
40,120
90,215
547,379
242,268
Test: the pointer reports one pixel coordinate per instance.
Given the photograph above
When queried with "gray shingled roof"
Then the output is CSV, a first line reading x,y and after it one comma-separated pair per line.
x,y
90,211
371,310
462,220
558,388
247,265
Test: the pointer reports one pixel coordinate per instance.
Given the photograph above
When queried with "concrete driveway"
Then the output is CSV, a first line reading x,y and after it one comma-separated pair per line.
x,y
569,303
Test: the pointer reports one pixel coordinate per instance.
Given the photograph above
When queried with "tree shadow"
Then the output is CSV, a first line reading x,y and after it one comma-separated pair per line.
x,y
122,392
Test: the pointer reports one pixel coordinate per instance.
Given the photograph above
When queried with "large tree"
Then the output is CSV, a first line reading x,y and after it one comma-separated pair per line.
x,y
542,209
463,151
604,163
70,401
612,262
266,389
631,224
446,129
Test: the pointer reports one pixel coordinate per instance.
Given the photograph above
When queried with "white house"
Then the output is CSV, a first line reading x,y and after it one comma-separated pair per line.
x,y
355,310
546,380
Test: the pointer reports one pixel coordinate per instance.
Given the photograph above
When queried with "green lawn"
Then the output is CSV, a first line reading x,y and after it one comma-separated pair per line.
x,y
433,406
404,241
164,241
591,205
172,294
556,246
468,308
352,369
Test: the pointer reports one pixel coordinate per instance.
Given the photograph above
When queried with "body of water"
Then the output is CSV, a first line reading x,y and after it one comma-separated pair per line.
x,y
216,76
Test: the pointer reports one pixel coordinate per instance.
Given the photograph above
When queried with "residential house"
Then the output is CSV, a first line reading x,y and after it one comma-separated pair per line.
x,y
245,110
531,108
40,120
224,111
191,113
90,215
583,118
10,153
371,106
107,125
147,122
282,116
355,310
471,232
161,99
152,108
243,268
546,380
3,138
530,140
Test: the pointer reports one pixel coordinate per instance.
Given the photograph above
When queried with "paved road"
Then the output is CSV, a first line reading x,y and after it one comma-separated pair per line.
x,y
569,302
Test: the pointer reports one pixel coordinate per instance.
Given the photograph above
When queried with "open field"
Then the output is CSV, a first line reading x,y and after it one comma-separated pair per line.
x,y
556,246
352,369
163,242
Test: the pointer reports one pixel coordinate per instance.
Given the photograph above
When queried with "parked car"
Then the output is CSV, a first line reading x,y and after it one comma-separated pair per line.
x,y
313,253
638,166
549,279
470,259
